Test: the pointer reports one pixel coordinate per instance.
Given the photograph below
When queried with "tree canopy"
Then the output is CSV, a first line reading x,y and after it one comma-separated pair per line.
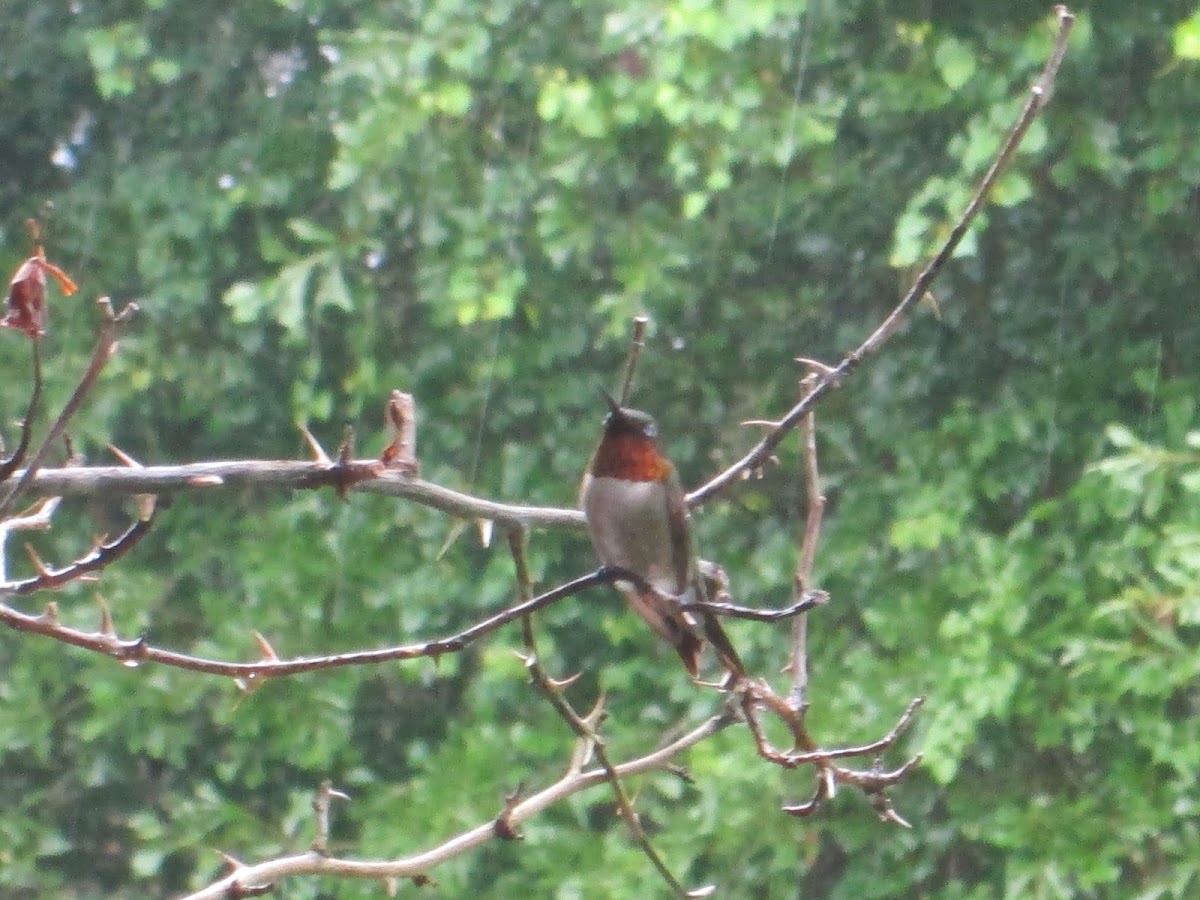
x,y
316,202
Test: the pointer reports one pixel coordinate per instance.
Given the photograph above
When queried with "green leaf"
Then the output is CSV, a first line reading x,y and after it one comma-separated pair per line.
x,y
955,62
1187,37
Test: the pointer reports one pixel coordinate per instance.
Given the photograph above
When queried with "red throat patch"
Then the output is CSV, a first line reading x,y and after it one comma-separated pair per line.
x,y
631,457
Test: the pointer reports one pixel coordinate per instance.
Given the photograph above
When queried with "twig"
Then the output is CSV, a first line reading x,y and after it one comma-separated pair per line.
x,y
808,600
321,805
808,551
11,464
1039,96
312,863
401,418
878,746
636,345
106,343
101,555
37,517
137,651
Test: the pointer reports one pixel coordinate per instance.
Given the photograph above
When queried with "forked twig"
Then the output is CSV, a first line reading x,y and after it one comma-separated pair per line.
x,y
100,556
106,343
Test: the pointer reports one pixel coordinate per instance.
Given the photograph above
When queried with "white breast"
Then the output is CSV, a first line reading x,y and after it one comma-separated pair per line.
x,y
628,524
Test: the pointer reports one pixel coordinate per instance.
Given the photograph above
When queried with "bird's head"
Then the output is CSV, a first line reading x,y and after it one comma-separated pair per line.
x,y
629,446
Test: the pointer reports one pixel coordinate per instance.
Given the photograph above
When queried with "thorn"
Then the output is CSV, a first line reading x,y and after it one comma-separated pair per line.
x,y
827,775
206,481
106,623
125,458
561,684
817,366
50,613
528,660
37,561
931,301
233,863
801,810
318,451
681,773
346,447
883,806
596,715
455,531
264,646
485,527
503,826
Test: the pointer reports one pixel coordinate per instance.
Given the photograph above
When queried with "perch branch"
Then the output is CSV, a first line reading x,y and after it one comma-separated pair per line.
x,y
136,651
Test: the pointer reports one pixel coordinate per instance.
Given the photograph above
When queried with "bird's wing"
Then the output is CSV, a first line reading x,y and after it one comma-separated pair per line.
x,y
679,523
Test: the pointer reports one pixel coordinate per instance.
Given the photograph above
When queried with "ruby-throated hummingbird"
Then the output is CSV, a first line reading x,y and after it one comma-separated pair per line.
x,y
637,516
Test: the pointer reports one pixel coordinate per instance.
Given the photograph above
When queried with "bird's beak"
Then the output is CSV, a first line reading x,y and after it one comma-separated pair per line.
x,y
613,406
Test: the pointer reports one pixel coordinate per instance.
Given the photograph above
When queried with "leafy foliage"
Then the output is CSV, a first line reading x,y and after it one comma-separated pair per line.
x,y
316,203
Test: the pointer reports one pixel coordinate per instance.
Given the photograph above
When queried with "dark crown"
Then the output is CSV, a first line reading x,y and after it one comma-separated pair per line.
x,y
629,421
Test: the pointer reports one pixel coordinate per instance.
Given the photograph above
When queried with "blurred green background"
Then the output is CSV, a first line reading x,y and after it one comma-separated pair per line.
x,y
317,201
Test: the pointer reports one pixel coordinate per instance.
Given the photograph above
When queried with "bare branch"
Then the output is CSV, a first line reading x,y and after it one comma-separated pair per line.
x,y
106,344
636,344
808,600
808,550
321,806
137,651
97,558
365,475
312,863
11,464
401,417
759,454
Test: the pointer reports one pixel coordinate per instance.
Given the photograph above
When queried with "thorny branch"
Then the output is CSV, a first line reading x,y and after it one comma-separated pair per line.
x,y
832,376
137,650
18,457
575,780
106,344
808,551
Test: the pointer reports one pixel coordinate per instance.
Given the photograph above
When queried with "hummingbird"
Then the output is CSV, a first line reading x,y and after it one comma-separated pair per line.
x,y
638,520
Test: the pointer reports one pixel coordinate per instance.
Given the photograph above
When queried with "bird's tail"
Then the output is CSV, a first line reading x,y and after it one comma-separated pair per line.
x,y
669,622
